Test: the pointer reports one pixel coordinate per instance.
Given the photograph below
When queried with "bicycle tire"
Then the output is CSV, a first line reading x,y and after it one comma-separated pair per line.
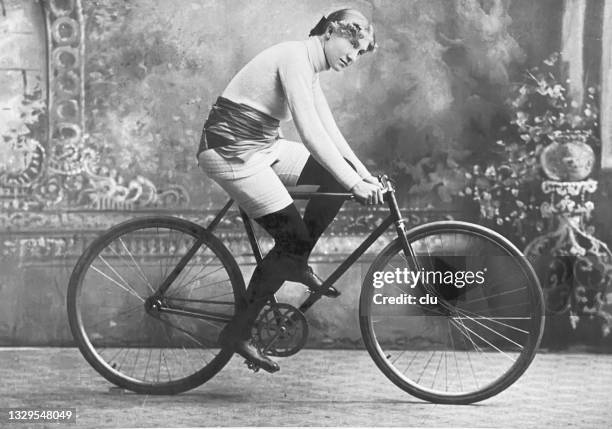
x,y
131,254
419,329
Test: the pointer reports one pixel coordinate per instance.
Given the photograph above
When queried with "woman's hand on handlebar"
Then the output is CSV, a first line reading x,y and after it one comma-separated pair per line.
x,y
369,191
374,181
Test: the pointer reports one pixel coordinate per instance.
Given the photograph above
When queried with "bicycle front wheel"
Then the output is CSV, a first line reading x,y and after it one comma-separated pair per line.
x,y
119,318
463,324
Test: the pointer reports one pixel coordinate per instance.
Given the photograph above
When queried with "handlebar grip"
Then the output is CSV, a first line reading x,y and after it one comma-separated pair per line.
x,y
386,182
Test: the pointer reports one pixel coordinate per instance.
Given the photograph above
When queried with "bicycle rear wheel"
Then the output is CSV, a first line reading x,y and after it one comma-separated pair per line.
x,y
455,338
113,304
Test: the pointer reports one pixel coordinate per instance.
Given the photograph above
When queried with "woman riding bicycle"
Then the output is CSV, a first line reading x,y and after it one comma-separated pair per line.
x,y
242,151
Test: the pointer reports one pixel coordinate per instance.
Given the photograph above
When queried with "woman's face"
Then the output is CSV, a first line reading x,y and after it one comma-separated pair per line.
x,y
340,52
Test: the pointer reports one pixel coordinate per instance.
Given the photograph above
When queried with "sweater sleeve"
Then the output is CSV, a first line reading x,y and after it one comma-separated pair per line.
x,y
296,76
333,131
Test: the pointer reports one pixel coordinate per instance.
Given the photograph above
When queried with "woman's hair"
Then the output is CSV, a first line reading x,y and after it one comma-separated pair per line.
x,y
350,23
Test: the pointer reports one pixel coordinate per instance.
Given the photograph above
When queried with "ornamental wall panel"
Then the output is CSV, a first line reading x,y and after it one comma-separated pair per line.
x,y
102,103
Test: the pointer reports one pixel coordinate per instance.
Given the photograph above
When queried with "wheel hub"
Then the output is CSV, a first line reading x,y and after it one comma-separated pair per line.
x,y
153,305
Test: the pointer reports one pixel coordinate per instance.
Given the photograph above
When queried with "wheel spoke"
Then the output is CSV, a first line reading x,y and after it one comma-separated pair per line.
x,y
490,344
208,285
120,365
437,370
138,269
411,361
181,361
492,330
185,274
471,344
167,368
521,304
467,335
426,365
125,287
144,377
496,295
497,319
135,362
186,332
122,334
398,356
115,317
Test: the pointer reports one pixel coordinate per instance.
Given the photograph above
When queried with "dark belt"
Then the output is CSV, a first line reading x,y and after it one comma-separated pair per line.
x,y
229,123
211,140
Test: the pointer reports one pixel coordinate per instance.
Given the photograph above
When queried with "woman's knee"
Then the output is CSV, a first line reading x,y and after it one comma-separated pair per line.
x,y
315,174
288,229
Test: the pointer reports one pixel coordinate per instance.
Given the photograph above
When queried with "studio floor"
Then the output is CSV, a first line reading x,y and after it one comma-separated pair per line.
x,y
313,388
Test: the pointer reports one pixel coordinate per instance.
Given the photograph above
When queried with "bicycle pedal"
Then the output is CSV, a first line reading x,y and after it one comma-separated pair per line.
x,y
252,366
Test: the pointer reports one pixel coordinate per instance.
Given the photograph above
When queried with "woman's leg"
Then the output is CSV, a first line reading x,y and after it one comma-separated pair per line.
x,y
260,194
289,255
320,211
288,259
295,167
264,197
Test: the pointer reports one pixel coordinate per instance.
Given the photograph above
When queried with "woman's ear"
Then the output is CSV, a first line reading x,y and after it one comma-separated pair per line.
x,y
329,32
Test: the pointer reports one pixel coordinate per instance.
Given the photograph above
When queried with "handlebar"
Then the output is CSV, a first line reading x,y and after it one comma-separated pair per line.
x,y
387,183
298,195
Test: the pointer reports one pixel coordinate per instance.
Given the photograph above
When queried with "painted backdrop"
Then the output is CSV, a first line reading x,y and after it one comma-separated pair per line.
x,y
102,105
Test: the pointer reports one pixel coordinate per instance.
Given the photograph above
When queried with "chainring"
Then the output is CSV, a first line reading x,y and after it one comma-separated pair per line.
x,y
280,330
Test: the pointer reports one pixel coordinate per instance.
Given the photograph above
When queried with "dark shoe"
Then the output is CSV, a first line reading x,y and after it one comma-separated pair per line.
x,y
236,335
248,351
313,282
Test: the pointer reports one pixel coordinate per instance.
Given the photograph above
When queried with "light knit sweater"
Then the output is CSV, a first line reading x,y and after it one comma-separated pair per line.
x,y
283,82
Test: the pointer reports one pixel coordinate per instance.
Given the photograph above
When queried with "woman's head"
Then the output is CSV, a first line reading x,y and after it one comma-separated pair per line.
x,y
346,35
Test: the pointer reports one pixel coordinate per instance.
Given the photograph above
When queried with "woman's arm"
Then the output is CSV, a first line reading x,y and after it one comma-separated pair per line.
x,y
334,133
296,77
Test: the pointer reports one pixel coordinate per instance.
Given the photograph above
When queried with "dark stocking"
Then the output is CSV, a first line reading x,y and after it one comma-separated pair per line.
x,y
292,244
320,212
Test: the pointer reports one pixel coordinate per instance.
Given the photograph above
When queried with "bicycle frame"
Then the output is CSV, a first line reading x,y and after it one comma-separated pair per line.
x,y
511,335
394,217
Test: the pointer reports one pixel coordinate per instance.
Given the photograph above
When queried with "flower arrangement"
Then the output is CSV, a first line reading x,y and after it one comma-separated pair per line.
x,y
507,188
542,107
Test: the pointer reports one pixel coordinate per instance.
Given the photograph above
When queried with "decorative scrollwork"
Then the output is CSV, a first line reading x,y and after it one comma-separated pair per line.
x,y
66,57
571,198
22,162
61,8
575,267
65,171
569,188
65,31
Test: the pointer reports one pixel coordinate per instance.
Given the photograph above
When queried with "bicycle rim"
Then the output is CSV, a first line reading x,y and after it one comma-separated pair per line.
x,y
111,314
477,339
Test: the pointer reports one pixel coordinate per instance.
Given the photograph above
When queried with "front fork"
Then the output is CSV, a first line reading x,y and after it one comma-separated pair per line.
x,y
410,255
400,224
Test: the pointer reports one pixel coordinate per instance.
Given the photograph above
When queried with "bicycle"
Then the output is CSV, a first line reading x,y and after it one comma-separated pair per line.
x,y
148,297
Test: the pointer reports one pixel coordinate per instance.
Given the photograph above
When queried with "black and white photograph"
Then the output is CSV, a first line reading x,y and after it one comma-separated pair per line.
x,y
360,213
